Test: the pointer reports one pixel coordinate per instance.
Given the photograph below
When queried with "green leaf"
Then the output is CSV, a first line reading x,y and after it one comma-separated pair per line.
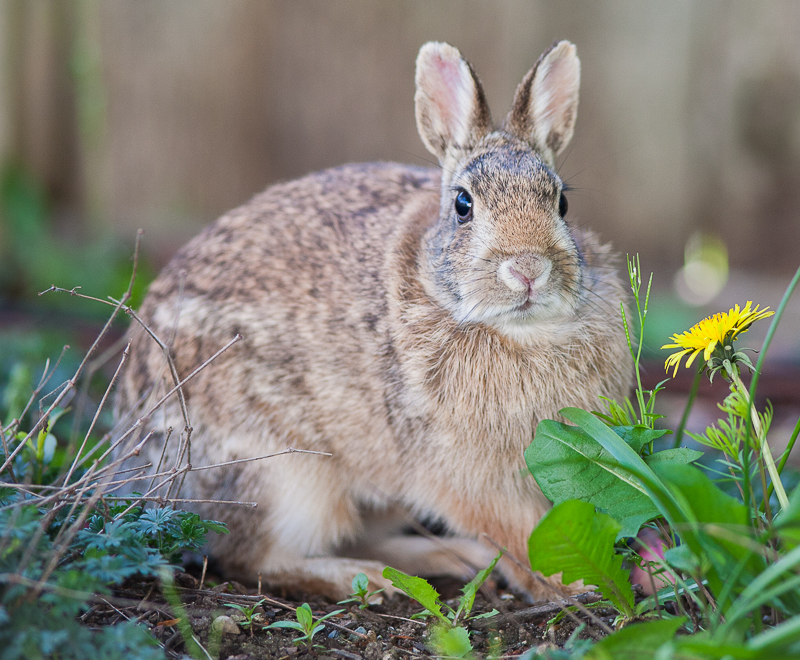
x,y
471,588
569,465
49,448
639,641
215,526
684,560
304,616
680,456
638,436
360,584
572,538
285,624
451,642
486,615
329,615
630,467
418,589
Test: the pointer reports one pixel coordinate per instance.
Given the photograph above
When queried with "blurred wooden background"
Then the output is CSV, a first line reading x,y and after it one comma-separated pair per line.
x,y
163,115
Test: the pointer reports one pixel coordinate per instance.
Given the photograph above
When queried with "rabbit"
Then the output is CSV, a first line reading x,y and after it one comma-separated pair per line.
x,y
414,323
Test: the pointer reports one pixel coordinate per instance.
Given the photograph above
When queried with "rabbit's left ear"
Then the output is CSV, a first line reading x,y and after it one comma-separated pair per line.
x,y
546,102
452,114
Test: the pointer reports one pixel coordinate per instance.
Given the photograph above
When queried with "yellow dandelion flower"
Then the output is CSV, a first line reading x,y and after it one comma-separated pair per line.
x,y
718,330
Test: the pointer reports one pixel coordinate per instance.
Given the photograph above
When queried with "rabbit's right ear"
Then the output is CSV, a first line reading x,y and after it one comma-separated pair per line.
x,y
452,113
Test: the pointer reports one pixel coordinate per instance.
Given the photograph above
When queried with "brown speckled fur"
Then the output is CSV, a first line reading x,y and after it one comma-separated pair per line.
x,y
378,328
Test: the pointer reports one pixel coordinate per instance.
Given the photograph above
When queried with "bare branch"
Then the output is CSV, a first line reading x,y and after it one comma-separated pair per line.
x,y
290,450
164,500
97,413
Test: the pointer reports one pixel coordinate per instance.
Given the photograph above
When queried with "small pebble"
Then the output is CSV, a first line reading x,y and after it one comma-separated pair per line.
x,y
362,630
225,626
333,634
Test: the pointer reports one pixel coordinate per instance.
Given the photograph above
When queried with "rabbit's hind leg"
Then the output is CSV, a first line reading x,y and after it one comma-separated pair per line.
x,y
431,556
305,512
329,576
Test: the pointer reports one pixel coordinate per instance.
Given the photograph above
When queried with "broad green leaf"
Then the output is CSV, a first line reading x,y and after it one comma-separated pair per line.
x,y
304,616
701,498
418,589
639,641
569,465
360,583
575,540
633,469
471,588
451,642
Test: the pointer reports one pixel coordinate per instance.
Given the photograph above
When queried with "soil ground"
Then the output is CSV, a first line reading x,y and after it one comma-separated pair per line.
x,y
382,631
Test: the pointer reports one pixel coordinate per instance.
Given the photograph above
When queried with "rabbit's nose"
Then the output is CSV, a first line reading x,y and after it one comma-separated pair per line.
x,y
525,273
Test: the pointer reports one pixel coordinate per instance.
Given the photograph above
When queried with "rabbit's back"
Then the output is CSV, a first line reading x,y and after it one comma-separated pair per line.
x,y
300,238
300,273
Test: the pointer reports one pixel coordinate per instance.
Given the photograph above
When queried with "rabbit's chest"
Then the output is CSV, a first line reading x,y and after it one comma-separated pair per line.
x,y
477,386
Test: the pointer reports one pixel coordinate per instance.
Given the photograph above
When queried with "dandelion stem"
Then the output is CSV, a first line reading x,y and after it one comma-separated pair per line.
x,y
756,375
761,442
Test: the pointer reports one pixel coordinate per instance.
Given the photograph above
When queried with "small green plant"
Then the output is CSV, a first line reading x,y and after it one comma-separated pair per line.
x,y
449,637
361,593
625,414
305,624
247,612
45,583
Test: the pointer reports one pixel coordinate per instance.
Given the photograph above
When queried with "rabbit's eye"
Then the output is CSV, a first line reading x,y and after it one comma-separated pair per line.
x,y
562,205
463,206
